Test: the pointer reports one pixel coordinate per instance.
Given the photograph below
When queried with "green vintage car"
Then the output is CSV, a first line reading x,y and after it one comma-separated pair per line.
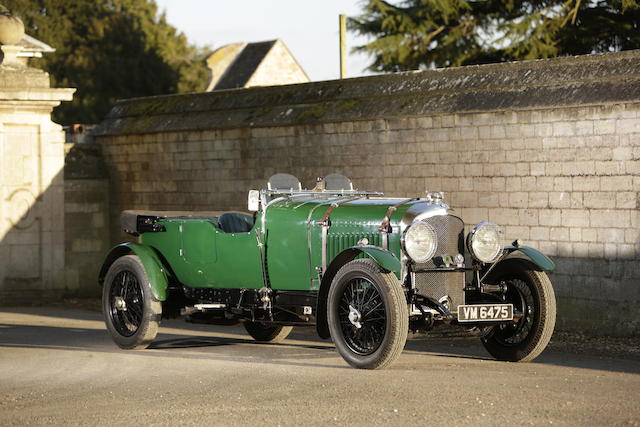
x,y
362,268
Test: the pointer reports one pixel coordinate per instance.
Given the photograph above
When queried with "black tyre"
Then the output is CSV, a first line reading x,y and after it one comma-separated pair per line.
x,y
264,332
531,293
131,313
367,315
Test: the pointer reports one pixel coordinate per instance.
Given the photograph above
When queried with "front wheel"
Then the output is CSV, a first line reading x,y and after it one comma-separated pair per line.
x,y
531,293
367,314
131,313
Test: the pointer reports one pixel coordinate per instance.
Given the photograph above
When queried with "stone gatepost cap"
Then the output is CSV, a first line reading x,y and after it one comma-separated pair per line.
x,y
11,28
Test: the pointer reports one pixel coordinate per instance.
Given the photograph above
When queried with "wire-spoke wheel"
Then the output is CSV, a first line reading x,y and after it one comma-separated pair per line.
x,y
131,314
367,314
531,293
362,316
125,303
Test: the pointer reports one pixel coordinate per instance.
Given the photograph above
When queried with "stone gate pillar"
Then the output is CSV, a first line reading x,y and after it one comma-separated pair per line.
x,y
31,181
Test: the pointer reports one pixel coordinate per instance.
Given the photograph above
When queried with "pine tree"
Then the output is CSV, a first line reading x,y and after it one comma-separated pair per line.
x,y
419,34
109,49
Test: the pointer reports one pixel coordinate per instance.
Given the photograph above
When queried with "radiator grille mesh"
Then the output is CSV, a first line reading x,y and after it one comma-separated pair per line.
x,y
440,284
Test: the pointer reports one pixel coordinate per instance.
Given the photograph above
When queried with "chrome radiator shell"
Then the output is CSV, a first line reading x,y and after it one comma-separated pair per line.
x,y
435,280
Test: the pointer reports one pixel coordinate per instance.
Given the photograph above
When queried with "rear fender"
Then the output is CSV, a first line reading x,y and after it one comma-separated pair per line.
x,y
383,257
153,266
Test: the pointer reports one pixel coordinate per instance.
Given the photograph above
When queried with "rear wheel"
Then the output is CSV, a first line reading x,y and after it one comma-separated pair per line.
x,y
531,293
367,315
131,313
265,332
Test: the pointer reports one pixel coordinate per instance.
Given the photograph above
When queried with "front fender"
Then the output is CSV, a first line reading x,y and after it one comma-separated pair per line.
x,y
538,258
153,266
383,257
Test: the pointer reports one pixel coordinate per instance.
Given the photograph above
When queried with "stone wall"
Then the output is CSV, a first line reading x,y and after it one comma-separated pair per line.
x,y
86,217
548,149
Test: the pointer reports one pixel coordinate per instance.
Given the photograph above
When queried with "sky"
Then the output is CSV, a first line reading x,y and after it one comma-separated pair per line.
x,y
308,28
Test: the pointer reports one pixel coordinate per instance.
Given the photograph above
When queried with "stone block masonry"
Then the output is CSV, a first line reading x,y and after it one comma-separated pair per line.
x,y
86,217
31,185
548,149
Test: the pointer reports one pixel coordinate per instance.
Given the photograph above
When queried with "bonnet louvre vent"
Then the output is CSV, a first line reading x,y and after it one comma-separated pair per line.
x,y
337,242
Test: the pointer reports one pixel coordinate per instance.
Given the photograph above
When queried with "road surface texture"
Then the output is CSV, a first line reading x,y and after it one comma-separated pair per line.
x,y
58,366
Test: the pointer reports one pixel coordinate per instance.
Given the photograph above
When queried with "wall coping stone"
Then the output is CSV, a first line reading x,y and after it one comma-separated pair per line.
x,y
579,80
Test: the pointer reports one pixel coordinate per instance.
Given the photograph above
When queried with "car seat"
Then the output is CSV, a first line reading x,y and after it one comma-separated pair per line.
x,y
236,222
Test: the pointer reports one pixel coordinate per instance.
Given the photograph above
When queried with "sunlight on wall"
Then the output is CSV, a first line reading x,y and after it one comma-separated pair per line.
x,y
31,184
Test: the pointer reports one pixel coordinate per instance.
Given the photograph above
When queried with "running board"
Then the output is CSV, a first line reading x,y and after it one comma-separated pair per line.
x,y
186,311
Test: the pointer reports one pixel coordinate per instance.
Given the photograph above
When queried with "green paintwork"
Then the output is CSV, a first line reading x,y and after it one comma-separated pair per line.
x,y
156,271
538,258
197,253
201,255
294,242
239,262
198,242
288,245
384,258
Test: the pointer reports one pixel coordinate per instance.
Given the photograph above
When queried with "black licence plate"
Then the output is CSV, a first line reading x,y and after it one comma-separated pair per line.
x,y
485,312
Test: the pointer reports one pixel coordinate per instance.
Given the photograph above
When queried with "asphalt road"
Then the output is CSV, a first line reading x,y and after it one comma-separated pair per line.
x,y
59,366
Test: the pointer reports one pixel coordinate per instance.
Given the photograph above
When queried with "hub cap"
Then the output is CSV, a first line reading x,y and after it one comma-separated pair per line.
x,y
119,304
354,317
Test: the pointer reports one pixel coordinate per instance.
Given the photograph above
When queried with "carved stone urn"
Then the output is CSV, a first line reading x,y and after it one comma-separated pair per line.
x,y
11,29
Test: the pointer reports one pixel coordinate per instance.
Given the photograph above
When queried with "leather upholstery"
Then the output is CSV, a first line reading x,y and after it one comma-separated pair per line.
x,y
235,222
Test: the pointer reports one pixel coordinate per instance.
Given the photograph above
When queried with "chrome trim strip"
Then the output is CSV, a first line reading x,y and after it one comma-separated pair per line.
x,y
310,225
325,222
325,231
329,192
385,226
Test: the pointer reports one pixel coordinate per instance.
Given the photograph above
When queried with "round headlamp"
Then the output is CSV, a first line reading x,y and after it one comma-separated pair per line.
x,y
485,242
420,242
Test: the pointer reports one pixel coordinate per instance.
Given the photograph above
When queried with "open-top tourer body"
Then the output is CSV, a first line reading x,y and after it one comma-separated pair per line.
x,y
362,268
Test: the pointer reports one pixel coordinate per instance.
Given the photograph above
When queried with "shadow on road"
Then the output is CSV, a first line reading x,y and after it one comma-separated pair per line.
x,y
471,348
194,342
170,344
55,329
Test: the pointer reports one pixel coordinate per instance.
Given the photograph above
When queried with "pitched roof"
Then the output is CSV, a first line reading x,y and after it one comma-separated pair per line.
x,y
244,65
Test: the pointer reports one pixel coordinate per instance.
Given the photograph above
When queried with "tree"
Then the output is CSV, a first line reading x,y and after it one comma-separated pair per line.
x,y
109,49
419,34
